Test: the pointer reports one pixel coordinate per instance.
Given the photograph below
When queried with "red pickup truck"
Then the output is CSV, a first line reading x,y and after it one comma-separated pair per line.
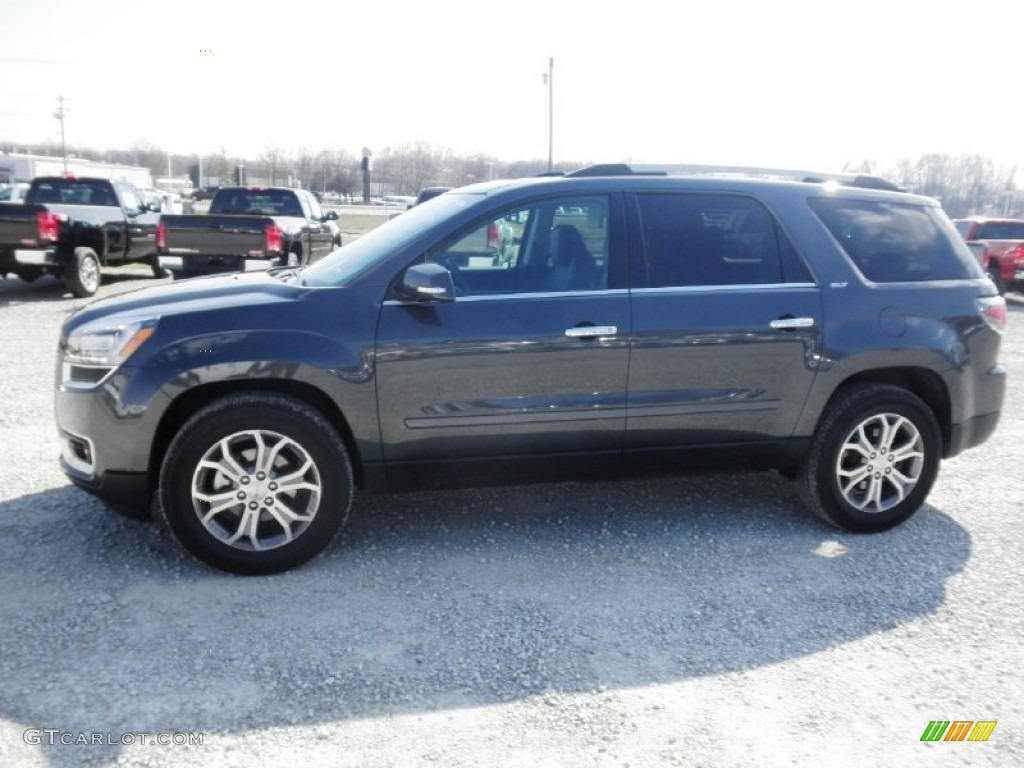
x,y
999,245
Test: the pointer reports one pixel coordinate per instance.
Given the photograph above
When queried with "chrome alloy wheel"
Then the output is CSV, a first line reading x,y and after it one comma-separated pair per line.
x,y
256,490
89,274
880,462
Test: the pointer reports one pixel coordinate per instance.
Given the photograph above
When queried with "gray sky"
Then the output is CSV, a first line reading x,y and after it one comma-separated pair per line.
x,y
785,83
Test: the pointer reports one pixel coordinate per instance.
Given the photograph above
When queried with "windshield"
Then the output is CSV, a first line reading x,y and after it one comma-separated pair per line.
x,y
377,244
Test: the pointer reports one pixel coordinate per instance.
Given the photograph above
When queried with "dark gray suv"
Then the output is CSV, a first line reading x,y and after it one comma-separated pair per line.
x,y
614,320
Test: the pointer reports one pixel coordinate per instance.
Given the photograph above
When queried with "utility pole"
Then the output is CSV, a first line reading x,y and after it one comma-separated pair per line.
x,y
59,114
549,81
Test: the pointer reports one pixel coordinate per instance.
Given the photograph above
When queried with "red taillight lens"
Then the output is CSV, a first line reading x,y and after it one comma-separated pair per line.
x,y
274,239
993,311
48,227
161,236
492,236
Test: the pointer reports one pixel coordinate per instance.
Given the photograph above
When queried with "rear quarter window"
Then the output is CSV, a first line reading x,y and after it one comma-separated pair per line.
x,y
1000,230
897,242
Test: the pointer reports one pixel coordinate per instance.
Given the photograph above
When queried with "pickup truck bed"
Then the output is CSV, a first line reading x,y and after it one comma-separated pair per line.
x,y
246,229
998,244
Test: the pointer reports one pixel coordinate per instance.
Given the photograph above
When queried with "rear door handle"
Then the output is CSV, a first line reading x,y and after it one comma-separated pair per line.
x,y
792,323
587,331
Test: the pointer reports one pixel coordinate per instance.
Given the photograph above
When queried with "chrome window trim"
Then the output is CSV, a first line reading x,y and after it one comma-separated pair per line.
x,y
522,296
727,288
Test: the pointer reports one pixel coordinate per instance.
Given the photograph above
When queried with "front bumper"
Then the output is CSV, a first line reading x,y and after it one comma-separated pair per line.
x,y
129,493
107,434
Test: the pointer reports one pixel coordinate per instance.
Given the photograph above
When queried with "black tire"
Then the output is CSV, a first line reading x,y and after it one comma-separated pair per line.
x,y
294,435
337,242
158,271
83,277
869,501
182,274
291,259
996,278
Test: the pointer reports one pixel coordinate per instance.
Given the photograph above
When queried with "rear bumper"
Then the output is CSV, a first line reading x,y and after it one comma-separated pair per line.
x,y
28,257
971,433
209,265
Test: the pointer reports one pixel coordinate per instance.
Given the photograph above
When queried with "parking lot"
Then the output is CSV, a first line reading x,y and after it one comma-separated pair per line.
x,y
699,621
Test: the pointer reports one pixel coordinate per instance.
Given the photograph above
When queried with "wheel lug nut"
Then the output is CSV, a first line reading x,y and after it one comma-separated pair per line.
x,y
260,476
245,480
877,475
273,486
872,455
269,501
253,505
241,494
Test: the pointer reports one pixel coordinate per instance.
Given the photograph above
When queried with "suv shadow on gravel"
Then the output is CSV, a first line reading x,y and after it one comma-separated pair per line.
x,y
556,590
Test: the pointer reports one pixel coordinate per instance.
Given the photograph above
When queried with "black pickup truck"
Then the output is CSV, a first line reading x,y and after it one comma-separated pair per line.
x,y
247,229
71,227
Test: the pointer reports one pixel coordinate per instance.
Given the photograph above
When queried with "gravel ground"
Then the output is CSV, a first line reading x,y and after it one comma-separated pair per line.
x,y
703,621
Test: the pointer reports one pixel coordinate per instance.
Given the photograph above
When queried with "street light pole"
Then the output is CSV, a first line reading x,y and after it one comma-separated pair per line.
x,y
549,80
60,116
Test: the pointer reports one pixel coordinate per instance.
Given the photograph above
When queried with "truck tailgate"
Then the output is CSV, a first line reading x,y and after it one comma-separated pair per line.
x,y
222,235
18,224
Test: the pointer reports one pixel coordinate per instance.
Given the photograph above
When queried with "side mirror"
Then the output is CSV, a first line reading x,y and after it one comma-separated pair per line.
x,y
331,216
427,282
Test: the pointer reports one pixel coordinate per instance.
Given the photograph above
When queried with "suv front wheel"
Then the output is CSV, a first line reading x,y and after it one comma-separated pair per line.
x,y
256,483
873,458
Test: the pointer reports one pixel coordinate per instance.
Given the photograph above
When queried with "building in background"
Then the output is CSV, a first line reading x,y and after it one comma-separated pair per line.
x,y
19,167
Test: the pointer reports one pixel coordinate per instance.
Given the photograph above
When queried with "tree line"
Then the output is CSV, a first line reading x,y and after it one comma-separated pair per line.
x,y
964,184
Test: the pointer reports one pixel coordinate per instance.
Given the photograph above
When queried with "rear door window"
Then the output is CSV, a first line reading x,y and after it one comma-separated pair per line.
x,y
705,240
897,242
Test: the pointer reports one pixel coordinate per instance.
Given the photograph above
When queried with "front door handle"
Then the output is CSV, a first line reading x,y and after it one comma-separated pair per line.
x,y
589,331
792,323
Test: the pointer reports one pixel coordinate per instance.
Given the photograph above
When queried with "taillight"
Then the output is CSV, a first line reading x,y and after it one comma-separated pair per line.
x,y
161,236
47,226
492,235
1018,254
274,241
993,312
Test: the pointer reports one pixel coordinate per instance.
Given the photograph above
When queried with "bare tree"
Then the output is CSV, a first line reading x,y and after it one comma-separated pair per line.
x,y
275,162
964,184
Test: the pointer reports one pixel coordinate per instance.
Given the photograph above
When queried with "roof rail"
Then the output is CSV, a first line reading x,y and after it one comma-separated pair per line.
x,y
814,177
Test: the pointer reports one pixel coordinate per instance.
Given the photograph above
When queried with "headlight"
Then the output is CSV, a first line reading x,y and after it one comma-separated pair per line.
x,y
93,351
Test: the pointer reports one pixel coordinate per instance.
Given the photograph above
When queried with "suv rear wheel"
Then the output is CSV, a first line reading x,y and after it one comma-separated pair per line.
x,y
873,458
256,483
